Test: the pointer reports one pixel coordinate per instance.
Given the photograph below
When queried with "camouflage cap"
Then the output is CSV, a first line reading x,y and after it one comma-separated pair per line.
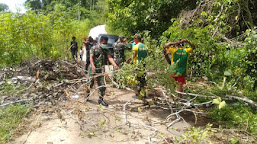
x,y
121,37
137,36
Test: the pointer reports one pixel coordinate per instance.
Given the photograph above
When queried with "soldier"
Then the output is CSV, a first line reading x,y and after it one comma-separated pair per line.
x,y
87,46
119,49
98,58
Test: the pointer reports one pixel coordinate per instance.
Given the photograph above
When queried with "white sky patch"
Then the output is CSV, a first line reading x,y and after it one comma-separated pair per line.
x,y
15,5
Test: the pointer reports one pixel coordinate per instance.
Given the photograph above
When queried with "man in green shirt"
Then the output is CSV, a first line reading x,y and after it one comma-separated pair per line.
x,y
140,53
98,59
180,57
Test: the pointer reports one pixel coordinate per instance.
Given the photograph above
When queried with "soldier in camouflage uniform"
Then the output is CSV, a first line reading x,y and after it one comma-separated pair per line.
x,y
98,58
119,49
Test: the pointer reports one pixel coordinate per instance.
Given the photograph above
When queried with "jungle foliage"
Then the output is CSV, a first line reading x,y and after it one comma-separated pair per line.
x,y
44,33
224,32
225,35
3,7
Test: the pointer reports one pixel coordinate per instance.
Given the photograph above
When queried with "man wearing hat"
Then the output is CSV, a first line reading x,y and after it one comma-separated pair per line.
x,y
140,53
119,48
180,57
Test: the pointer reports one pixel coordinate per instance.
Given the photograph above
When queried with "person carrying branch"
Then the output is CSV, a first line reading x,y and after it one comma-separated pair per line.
x,y
140,53
74,48
87,46
98,58
119,48
180,57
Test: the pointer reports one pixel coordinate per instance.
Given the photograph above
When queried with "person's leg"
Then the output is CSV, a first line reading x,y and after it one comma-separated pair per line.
x,y
181,80
91,81
180,89
87,65
143,88
138,87
101,90
140,91
173,80
76,53
72,53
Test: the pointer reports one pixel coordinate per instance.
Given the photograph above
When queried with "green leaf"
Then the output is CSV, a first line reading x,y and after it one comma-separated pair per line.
x,y
216,101
103,122
92,134
101,108
222,104
228,72
139,109
234,141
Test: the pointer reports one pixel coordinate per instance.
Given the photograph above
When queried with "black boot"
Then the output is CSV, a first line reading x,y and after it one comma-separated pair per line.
x,y
102,102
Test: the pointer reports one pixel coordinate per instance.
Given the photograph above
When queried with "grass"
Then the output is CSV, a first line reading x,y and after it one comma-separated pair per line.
x,y
10,117
10,88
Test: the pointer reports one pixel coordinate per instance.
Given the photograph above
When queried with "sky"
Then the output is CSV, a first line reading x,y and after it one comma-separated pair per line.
x,y
14,4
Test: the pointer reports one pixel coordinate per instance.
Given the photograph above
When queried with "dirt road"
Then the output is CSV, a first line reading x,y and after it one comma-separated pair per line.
x,y
80,122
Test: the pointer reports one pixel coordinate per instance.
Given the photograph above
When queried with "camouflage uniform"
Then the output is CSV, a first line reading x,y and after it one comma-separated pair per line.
x,y
119,50
100,53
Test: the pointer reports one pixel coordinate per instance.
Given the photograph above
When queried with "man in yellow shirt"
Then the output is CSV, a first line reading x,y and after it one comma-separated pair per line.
x,y
140,53
180,57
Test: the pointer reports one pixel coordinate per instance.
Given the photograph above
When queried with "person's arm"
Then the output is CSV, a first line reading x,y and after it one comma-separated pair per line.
x,y
92,62
71,45
191,45
135,54
112,62
127,45
77,46
129,59
167,45
166,55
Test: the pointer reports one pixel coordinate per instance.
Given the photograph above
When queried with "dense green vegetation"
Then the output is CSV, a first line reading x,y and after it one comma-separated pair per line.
x,y
44,33
225,36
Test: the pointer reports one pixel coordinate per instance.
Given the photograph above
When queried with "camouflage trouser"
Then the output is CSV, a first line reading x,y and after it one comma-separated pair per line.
x,y
99,79
141,86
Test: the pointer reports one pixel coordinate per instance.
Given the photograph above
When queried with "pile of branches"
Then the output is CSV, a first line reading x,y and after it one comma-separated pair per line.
x,y
42,81
49,69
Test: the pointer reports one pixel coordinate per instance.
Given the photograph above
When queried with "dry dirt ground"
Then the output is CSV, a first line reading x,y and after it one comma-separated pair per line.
x,y
76,121
62,115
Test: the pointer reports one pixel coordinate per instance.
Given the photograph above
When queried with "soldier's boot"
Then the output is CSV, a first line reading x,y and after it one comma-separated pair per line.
x,y
102,102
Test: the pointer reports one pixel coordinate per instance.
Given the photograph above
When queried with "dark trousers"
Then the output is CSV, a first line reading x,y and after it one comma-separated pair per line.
x,y
74,53
87,64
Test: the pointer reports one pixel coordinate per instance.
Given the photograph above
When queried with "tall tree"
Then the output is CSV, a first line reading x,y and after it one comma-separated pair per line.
x,y
3,7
